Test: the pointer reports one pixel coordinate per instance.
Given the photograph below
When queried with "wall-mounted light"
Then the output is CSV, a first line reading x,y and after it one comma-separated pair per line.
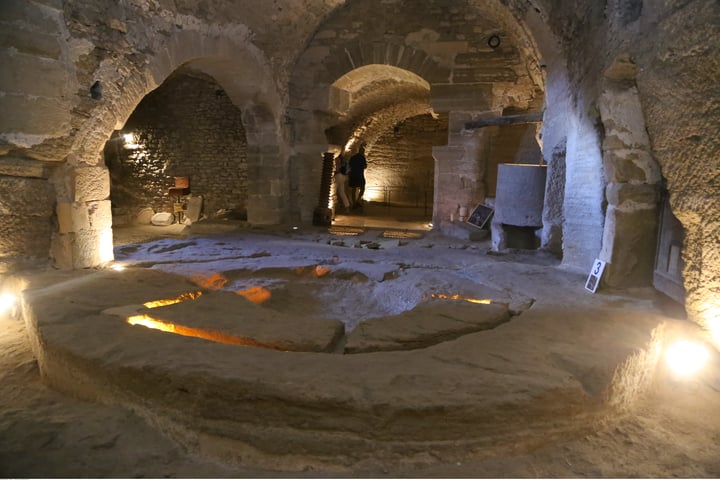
x,y
131,141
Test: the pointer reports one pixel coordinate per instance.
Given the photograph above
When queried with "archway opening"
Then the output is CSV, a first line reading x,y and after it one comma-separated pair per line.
x,y
387,109
182,153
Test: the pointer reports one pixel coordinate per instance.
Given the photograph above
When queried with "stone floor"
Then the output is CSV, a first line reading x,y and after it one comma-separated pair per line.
x,y
555,381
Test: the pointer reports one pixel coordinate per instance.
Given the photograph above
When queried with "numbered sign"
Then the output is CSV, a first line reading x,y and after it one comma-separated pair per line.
x,y
594,278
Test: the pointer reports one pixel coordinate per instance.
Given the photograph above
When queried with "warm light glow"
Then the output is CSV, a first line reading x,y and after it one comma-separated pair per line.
x,y
171,301
105,251
257,294
373,194
118,267
321,271
316,270
484,301
213,281
130,141
685,357
7,302
211,335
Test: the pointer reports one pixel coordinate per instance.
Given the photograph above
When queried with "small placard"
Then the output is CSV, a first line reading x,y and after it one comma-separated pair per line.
x,y
480,216
596,272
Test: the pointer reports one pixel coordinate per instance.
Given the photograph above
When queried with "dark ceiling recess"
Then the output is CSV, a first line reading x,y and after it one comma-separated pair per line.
x,y
96,91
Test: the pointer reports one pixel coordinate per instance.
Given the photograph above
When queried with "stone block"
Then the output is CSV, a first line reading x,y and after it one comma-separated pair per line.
x,y
66,222
622,68
22,12
34,115
61,251
91,184
448,153
629,195
632,165
445,98
581,244
22,236
26,197
483,75
427,324
260,214
92,248
520,195
259,186
31,43
31,75
622,117
23,167
99,215
629,242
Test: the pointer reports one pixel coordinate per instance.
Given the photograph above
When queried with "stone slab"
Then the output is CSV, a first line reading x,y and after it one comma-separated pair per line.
x,y
430,323
234,315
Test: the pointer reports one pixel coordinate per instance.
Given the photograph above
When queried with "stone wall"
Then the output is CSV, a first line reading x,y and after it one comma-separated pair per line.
x,y
400,164
26,224
510,144
188,127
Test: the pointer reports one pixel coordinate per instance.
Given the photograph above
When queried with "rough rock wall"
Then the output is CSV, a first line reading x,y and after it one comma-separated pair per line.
x,y
675,48
186,128
680,95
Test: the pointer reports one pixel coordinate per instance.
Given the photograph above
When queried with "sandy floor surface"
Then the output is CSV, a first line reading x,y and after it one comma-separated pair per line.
x,y
673,431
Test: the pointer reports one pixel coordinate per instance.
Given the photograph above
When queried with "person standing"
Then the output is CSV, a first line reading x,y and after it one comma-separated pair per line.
x,y
341,178
358,164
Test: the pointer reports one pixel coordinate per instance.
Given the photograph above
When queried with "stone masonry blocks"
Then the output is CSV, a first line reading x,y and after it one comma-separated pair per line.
x,y
100,215
26,196
23,236
629,246
72,217
91,183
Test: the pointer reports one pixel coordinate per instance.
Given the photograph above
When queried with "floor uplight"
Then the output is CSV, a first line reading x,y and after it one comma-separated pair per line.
x,y
685,357
7,302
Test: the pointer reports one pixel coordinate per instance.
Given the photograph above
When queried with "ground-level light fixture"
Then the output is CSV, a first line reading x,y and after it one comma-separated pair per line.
x,y
7,302
686,357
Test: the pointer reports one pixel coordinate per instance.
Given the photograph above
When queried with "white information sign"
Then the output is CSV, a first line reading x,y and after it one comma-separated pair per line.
x,y
594,278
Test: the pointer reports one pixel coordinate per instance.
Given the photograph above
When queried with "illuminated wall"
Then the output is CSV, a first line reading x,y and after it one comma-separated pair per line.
x,y
188,127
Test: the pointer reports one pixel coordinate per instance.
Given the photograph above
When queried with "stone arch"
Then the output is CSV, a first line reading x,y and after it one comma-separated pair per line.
x,y
351,57
368,103
84,238
327,106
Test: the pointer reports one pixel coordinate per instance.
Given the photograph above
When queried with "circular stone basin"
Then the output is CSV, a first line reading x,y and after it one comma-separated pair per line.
x,y
285,401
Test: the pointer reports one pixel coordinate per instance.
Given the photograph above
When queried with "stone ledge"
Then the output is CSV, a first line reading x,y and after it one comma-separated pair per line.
x,y
525,382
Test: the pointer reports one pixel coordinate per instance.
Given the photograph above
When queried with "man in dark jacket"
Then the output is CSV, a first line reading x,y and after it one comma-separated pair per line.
x,y
356,180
